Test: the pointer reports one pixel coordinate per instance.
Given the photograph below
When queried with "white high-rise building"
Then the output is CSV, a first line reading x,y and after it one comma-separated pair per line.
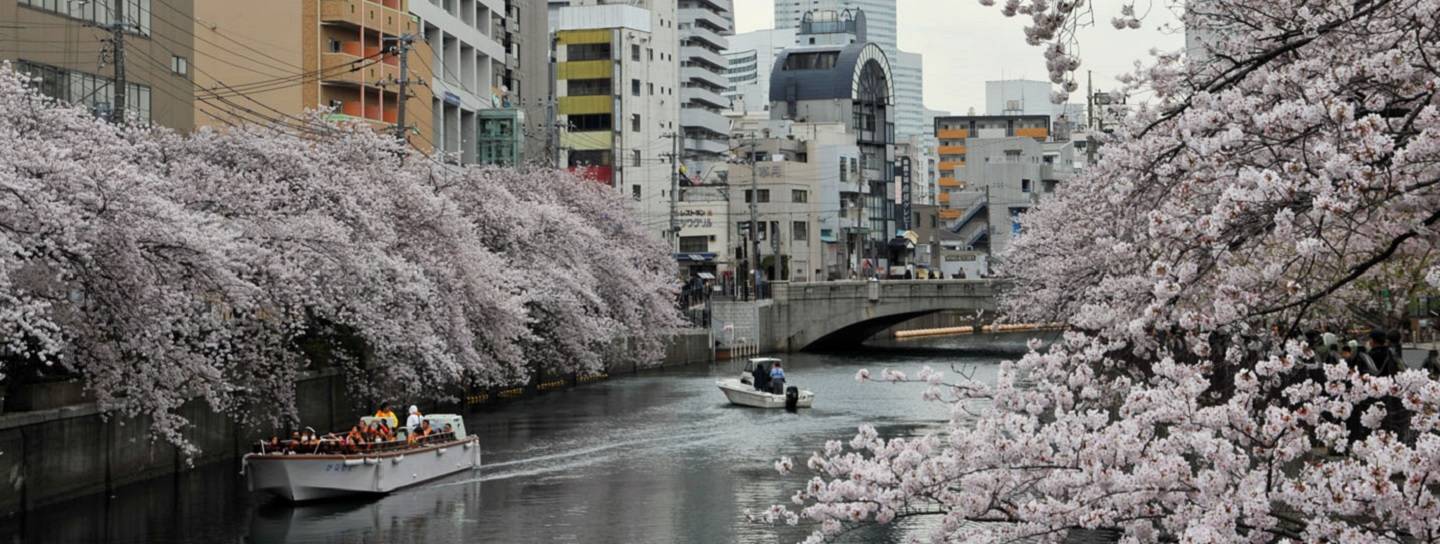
x,y
879,17
468,64
909,96
750,58
703,26
618,97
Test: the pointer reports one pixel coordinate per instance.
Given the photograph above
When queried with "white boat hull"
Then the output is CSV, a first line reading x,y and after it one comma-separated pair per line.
x,y
744,394
311,477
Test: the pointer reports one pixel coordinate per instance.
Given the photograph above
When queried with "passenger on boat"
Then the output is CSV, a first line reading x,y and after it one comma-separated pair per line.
x,y
761,377
386,413
777,379
354,436
413,422
425,430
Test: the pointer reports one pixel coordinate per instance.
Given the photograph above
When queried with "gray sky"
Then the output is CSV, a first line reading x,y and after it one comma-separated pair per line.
x,y
966,44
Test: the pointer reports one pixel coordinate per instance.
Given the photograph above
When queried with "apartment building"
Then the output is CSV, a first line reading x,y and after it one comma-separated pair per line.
x,y
618,99
704,26
469,64
993,169
58,44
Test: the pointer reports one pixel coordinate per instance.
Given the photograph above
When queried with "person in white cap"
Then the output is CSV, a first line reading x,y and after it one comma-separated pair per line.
x,y
413,422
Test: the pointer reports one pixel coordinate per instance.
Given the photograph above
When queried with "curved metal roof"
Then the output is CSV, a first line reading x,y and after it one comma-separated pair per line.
x,y
842,81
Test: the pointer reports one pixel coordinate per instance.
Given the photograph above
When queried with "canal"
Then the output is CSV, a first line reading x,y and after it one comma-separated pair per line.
x,y
655,458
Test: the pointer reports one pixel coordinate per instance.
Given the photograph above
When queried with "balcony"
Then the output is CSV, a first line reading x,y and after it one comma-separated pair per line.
x,y
952,183
340,67
709,36
948,214
706,119
704,96
707,145
945,166
952,134
345,12
698,14
589,140
585,105
583,37
951,150
695,53
1039,133
585,69
391,19
688,73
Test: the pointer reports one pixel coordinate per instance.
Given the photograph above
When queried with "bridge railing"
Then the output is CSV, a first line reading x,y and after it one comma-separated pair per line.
x,y
877,290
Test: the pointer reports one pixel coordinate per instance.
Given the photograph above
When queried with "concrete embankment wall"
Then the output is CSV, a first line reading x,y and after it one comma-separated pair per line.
x,y
49,456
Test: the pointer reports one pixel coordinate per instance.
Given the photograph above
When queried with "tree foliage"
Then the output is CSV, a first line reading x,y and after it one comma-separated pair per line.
x,y
1266,190
162,267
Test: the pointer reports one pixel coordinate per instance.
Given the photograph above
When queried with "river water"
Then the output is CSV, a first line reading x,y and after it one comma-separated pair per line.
x,y
659,457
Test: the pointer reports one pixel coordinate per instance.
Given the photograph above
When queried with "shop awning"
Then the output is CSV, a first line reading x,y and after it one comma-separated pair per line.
x,y
695,257
706,276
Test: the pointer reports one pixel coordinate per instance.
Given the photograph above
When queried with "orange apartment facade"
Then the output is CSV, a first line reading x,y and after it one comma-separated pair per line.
x,y
952,133
341,57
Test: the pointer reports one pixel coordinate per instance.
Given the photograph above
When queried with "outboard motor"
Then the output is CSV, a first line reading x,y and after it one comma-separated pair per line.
x,y
792,398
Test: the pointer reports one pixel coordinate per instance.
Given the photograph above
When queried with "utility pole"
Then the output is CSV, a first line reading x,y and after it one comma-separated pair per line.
x,y
402,44
674,190
117,28
754,222
863,240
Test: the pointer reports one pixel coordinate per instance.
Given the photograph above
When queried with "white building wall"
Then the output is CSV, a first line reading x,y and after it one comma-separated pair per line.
x,y
1028,97
749,89
462,35
879,17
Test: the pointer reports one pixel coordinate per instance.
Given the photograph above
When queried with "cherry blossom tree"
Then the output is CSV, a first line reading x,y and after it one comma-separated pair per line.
x,y
164,268
1269,186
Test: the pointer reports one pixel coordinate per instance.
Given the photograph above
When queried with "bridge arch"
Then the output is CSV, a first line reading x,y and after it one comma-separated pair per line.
x,y
837,315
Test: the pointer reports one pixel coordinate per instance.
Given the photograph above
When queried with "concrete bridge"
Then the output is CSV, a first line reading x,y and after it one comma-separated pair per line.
x,y
838,314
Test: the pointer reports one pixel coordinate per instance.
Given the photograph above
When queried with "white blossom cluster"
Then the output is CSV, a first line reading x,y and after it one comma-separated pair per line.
x,y
162,267
1279,188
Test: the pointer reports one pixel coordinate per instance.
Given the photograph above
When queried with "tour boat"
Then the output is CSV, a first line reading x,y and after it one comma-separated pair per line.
x,y
742,390
310,476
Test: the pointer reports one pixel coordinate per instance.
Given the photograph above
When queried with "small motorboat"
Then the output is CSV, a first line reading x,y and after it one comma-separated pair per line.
x,y
742,390
332,470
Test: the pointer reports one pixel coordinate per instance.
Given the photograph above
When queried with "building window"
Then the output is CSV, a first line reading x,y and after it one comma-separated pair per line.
x,y
634,157
1048,185
635,192
650,87
694,244
635,122
634,87
634,52
333,45
764,195
91,91
800,231
179,65
1024,185
934,222
137,12
650,53
799,196
843,176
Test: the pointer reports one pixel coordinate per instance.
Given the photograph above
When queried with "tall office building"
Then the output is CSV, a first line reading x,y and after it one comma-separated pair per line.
x,y
158,89
750,59
704,25
880,23
879,17
618,104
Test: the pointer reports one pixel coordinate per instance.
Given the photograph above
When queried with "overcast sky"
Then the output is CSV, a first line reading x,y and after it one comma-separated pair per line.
x,y
966,44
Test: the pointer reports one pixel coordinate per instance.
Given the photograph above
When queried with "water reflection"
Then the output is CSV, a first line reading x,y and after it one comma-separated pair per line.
x,y
659,457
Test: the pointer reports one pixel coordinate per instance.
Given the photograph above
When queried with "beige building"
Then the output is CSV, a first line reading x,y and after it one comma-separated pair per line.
x,y
265,60
57,42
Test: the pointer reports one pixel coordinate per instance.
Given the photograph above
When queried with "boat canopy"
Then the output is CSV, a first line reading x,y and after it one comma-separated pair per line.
x,y
764,360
